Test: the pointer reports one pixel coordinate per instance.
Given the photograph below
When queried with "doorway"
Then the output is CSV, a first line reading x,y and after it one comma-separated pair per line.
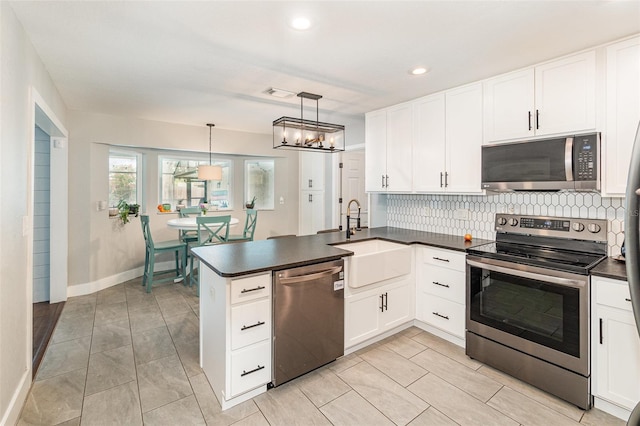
x,y
46,224
353,186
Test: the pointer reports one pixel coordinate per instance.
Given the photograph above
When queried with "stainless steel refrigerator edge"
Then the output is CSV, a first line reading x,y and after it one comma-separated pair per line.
x,y
308,319
632,243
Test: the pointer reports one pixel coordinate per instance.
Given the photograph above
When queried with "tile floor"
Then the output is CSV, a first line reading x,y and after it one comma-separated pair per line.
x,y
125,357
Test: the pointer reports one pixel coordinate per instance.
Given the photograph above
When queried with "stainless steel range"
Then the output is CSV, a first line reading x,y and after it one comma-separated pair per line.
x,y
528,301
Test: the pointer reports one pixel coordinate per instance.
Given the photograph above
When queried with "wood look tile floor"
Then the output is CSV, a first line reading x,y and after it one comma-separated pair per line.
x,y
125,357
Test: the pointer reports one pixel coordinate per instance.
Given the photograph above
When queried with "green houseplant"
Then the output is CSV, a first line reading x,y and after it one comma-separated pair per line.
x,y
125,209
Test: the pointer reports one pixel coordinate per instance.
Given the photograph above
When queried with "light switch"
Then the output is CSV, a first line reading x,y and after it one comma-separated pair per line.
x,y
281,199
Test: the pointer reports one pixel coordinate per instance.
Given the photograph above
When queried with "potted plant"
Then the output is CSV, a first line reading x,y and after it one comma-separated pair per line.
x,y
251,204
125,209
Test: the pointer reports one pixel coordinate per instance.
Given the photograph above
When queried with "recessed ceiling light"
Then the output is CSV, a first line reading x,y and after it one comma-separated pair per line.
x,y
419,70
300,23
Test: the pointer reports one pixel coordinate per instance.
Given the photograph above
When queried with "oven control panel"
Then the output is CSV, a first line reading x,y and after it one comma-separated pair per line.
x,y
564,227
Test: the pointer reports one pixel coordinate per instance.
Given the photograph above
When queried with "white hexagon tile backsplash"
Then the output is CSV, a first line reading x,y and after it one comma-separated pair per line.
x,y
447,214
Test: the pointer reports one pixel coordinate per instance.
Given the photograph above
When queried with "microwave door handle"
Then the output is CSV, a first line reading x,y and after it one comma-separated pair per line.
x,y
568,159
524,274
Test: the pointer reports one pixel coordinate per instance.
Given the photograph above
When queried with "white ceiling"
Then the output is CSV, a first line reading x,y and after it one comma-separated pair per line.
x,y
211,61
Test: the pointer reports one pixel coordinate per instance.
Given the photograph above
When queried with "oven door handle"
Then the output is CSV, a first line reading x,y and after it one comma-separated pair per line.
x,y
524,274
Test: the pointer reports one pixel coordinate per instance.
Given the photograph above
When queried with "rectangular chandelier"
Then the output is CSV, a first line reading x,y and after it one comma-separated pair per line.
x,y
302,134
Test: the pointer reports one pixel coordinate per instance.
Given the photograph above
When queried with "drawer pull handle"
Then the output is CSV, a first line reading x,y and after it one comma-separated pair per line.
x,y
440,284
244,290
440,259
246,327
628,300
440,315
244,373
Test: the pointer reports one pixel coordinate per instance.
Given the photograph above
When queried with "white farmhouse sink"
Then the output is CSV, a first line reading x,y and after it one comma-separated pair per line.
x,y
376,260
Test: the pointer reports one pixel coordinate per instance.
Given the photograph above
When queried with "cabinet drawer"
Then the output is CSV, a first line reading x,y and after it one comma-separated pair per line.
x,y
250,367
250,323
445,283
250,288
444,314
444,258
612,293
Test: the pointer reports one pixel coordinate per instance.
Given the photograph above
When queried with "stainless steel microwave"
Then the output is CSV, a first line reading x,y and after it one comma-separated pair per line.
x,y
568,162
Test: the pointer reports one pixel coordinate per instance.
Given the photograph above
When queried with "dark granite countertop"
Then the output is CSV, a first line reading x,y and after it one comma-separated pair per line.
x,y
610,268
232,260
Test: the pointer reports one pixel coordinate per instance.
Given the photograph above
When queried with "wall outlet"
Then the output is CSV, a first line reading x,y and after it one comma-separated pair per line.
x,y
426,211
281,200
462,214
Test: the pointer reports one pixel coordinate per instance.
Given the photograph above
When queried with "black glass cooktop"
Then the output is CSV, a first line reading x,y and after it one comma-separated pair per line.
x,y
552,258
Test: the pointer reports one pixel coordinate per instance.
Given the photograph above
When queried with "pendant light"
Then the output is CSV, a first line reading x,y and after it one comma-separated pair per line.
x,y
306,134
209,172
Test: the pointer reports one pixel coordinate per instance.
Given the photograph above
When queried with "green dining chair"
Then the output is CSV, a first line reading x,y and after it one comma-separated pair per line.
x,y
249,227
211,230
153,248
189,236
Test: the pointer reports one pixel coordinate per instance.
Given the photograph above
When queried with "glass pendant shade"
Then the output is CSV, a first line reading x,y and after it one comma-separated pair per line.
x,y
209,172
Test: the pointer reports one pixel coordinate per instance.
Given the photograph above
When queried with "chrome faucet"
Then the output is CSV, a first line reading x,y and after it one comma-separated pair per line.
x,y
350,231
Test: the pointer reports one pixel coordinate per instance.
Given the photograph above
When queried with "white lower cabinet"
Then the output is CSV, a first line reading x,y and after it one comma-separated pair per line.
x,y
615,348
235,335
440,289
372,311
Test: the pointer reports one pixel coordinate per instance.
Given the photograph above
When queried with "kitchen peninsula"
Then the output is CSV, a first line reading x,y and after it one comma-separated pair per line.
x,y
236,300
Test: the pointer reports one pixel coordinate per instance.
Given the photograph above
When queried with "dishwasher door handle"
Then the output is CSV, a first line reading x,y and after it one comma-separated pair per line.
x,y
310,277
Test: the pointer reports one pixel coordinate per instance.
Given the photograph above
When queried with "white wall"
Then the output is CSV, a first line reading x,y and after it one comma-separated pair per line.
x,y
100,249
20,70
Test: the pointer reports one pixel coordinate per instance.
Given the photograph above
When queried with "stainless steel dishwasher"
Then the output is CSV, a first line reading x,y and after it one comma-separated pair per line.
x,y
308,318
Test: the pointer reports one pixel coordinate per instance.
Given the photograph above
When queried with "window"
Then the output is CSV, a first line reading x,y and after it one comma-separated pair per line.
x,y
124,182
179,183
259,183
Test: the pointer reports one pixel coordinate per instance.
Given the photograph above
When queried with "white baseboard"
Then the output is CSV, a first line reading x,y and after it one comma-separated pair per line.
x,y
613,409
102,283
11,416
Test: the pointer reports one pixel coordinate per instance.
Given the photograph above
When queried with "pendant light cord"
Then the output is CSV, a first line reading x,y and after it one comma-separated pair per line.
x,y
210,127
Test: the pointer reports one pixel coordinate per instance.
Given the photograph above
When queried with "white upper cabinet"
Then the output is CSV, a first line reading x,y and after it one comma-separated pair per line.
x,y
376,150
566,95
447,141
556,97
388,149
399,145
464,139
622,112
429,144
509,106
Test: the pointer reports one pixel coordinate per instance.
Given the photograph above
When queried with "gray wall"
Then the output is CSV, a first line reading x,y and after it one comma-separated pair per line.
x,y
101,248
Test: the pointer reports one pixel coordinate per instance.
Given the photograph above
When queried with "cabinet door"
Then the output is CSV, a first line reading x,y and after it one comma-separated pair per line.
x,y
623,113
464,139
399,145
362,315
509,106
375,150
397,306
429,144
312,166
311,212
565,95
618,357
